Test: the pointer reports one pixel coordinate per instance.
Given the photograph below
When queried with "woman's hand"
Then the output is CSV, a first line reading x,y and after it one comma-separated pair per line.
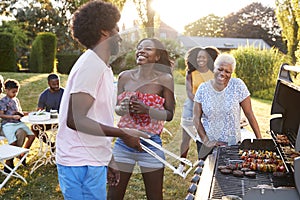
x,y
137,107
214,143
113,176
123,107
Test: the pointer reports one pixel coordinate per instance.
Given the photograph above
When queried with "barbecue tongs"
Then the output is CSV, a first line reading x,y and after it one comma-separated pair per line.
x,y
183,160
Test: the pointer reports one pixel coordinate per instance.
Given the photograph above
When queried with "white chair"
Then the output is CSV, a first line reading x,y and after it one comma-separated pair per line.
x,y
8,152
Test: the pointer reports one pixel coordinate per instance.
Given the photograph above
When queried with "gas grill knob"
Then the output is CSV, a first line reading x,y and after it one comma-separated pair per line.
x,y
201,163
195,179
189,197
193,188
198,170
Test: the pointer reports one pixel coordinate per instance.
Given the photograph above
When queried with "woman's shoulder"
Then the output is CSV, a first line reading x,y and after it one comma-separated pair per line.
x,y
166,80
205,84
238,84
237,81
166,77
127,73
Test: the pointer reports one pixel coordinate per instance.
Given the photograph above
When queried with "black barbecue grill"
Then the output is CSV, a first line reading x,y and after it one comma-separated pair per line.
x,y
265,185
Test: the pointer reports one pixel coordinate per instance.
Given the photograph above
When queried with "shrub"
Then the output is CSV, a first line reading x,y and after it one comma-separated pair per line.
x,y
65,62
8,62
178,77
43,53
258,69
180,63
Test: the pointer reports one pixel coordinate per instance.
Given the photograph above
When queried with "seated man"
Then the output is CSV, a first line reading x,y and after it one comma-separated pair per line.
x,y
50,99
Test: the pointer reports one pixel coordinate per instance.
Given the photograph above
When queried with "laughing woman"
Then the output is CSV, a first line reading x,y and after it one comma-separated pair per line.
x,y
145,101
218,104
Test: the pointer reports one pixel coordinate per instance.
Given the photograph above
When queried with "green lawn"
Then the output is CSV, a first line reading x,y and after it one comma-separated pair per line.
x,y
43,184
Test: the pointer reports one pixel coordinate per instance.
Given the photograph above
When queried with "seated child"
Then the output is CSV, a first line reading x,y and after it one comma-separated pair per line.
x,y
11,113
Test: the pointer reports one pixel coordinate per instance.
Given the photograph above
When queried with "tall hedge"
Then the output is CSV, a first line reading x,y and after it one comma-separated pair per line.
x,y
43,53
8,56
65,62
259,69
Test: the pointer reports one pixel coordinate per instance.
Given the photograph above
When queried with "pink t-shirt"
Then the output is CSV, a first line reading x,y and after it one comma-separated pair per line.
x,y
143,121
73,148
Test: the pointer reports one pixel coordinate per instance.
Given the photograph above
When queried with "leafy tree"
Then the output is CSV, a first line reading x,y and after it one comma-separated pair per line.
x,y
208,26
54,16
288,16
252,21
255,21
34,16
19,36
146,15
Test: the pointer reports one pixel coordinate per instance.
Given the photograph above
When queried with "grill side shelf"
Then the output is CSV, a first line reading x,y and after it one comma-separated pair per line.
x,y
205,183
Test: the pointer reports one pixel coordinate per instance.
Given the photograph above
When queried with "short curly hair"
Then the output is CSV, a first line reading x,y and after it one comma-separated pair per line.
x,y
90,19
11,84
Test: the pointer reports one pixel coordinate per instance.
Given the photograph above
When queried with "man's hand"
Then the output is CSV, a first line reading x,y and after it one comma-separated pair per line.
x,y
132,138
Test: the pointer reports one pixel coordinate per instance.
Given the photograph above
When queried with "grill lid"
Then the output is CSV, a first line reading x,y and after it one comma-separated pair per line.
x,y
285,106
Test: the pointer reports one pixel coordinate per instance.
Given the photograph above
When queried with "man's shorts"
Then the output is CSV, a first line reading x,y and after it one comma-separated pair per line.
x,y
82,182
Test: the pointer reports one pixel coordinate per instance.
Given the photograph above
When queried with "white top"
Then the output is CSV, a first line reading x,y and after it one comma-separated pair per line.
x,y
73,148
221,109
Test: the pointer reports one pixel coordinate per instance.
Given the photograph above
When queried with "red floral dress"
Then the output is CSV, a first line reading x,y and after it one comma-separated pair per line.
x,y
143,121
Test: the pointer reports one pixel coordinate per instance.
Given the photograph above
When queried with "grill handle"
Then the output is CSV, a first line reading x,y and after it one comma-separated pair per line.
x,y
278,150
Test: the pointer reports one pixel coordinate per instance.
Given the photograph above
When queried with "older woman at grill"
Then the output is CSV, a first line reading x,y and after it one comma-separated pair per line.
x,y
218,104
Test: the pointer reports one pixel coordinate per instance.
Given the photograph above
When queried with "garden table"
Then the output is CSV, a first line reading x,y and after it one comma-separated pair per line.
x,y
46,153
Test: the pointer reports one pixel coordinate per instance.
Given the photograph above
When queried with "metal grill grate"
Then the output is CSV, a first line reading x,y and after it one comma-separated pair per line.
x,y
229,185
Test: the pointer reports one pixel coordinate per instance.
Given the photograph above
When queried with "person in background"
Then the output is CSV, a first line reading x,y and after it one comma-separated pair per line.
x,y
218,104
11,113
199,68
20,133
49,100
145,101
86,114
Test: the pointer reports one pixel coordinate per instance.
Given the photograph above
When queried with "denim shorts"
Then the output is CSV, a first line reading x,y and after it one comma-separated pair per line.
x,y
188,106
124,154
82,182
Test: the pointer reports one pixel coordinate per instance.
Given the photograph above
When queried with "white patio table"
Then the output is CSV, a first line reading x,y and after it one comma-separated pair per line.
x,y
46,153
